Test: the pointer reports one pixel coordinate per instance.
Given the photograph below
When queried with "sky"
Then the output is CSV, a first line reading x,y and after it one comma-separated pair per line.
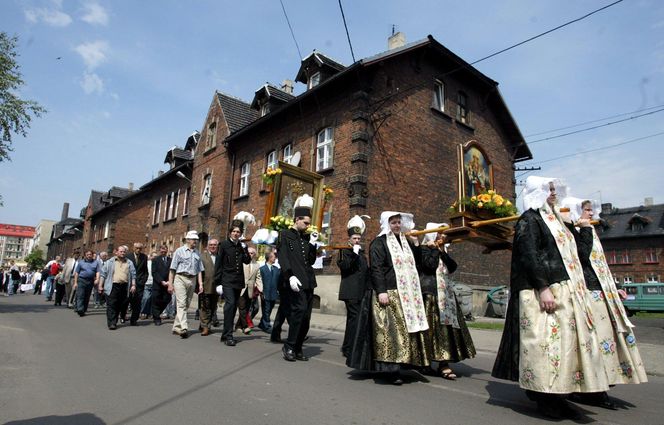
x,y
125,80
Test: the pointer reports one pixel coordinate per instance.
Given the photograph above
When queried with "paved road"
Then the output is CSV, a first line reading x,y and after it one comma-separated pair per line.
x,y
57,368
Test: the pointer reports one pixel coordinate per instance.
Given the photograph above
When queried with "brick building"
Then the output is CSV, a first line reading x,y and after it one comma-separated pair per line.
x,y
633,242
66,235
383,132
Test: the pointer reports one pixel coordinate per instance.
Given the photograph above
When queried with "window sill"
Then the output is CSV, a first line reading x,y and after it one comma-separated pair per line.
x,y
204,206
155,225
651,262
442,113
209,150
170,219
464,125
620,264
241,198
324,171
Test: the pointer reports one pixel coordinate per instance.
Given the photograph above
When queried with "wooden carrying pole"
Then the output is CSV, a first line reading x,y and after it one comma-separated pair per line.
x,y
424,232
481,223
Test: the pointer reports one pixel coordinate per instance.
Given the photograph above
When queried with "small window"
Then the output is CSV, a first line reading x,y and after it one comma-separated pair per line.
x,y
324,149
170,203
652,278
265,109
627,279
185,202
632,290
650,290
439,96
651,255
211,141
155,211
244,179
107,229
314,80
287,153
271,160
462,108
207,188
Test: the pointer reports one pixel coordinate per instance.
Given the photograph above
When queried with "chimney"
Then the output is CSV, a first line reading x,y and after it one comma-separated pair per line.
x,y
396,40
287,86
607,208
130,186
65,211
648,202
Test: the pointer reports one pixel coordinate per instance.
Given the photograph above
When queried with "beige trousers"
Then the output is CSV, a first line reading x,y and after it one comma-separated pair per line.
x,y
184,291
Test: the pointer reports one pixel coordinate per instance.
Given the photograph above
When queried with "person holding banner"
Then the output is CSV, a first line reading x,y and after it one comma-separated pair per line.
x,y
448,338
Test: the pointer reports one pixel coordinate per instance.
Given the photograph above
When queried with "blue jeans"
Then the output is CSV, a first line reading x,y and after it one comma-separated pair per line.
x,y
12,284
266,309
49,288
83,292
146,302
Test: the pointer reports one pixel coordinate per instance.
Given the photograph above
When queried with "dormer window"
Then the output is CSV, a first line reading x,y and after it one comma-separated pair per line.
x,y
314,80
265,109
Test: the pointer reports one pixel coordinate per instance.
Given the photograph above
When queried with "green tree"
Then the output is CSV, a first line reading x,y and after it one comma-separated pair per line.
x,y
15,113
35,259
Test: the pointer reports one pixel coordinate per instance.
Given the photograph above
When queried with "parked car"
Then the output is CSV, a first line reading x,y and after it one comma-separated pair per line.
x,y
644,297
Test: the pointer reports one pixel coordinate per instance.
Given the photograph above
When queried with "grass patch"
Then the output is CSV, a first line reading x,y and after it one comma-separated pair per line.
x,y
649,315
494,326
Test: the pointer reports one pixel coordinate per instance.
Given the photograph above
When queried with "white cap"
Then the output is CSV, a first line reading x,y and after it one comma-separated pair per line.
x,y
192,234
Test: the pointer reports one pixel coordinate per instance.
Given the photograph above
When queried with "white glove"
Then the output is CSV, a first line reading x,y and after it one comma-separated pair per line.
x,y
313,237
220,290
356,249
243,245
295,284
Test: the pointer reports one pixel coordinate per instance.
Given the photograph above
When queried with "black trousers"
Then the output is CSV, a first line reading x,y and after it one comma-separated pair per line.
x,y
280,317
299,317
135,300
352,312
160,300
114,302
243,304
231,297
59,293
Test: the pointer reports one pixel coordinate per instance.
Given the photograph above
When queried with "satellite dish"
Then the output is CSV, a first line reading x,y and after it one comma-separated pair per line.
x,y
295,159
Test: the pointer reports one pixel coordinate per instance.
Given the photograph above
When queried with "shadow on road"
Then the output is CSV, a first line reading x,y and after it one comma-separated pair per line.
x,y
78,419
8,307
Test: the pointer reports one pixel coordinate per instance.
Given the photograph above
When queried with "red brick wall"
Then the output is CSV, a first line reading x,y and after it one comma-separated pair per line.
x,y
638,269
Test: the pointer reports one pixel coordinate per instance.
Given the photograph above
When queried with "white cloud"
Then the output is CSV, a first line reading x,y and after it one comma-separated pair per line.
x,y
55,18
94,14
115,96
92,83
93,53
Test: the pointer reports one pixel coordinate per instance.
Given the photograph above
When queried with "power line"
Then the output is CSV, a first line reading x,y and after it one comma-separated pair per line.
x,y
593,121
291,29
601,148
343,16
595,127
547,32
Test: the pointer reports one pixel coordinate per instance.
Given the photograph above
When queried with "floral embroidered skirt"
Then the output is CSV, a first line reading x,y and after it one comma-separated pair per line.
x,y
391,341
559,354
622,360
445,343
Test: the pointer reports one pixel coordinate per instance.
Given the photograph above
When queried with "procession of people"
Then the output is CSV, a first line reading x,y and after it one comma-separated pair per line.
x,y
566,336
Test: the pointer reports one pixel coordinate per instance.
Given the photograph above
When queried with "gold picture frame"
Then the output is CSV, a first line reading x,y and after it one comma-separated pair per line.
x,y
475,170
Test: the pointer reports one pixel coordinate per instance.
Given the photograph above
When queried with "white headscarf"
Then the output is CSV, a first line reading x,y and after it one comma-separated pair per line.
x,y
537,190
430,237
575,210
407,223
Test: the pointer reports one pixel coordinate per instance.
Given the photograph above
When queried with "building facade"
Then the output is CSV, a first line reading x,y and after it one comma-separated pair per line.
x,y
43,232
15,243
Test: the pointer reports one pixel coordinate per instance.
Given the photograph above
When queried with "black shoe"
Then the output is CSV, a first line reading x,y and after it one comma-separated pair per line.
x,y
184,334
567,411
81,314
230,342
301,357
289,355
122,320
548,409
112,327
133,323
216,323
395,379
157,322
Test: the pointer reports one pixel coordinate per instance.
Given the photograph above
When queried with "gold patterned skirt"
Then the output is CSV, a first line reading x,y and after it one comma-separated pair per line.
x,y
444,343
621,356
559,353
391,341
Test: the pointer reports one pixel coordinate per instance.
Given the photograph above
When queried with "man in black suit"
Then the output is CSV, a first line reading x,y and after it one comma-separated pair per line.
x,y
161,265
140,261
297,253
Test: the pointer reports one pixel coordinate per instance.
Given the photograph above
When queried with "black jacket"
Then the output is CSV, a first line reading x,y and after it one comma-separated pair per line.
x,y
382,271
430,261
229,269
141,265
296,257
160,270
584,245
354,274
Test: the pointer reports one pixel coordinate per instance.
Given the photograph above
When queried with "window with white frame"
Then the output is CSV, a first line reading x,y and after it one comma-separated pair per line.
x,y
185,202
650,255
616,280
314,80
652,278
462,108
245,170
265,109
627,279
107,229
287,153
156,211
271,160
439,95
206,190
94,232
324,149
210,141
172,200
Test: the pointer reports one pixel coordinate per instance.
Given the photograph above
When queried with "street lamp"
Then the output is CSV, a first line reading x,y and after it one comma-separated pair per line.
x,y
182,176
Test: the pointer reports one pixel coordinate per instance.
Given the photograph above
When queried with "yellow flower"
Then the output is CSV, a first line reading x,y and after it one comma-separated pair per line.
x,y
491,192
498,202
473,198
484,197
508,203
278,170
480,205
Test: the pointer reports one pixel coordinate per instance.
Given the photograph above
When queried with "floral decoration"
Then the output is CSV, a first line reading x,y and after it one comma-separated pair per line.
x,y
279,222
328,193
269,174
489,201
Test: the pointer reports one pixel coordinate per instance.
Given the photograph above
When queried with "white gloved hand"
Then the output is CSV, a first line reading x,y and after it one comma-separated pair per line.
x,y
356,249
295,284
243,245
220,290
313,237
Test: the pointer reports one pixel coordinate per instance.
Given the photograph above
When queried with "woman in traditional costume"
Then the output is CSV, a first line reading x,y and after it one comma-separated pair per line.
x,y
448,338
550,343
617,343
398,314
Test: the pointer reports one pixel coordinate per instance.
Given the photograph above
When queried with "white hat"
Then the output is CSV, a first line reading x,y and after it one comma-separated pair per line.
x,y
192,234
303,206
537,190
407,222
356,225
430,237
575,209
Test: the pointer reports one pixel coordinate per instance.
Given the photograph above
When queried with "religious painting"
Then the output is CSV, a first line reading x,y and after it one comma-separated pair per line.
x,y
290,184
476,172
